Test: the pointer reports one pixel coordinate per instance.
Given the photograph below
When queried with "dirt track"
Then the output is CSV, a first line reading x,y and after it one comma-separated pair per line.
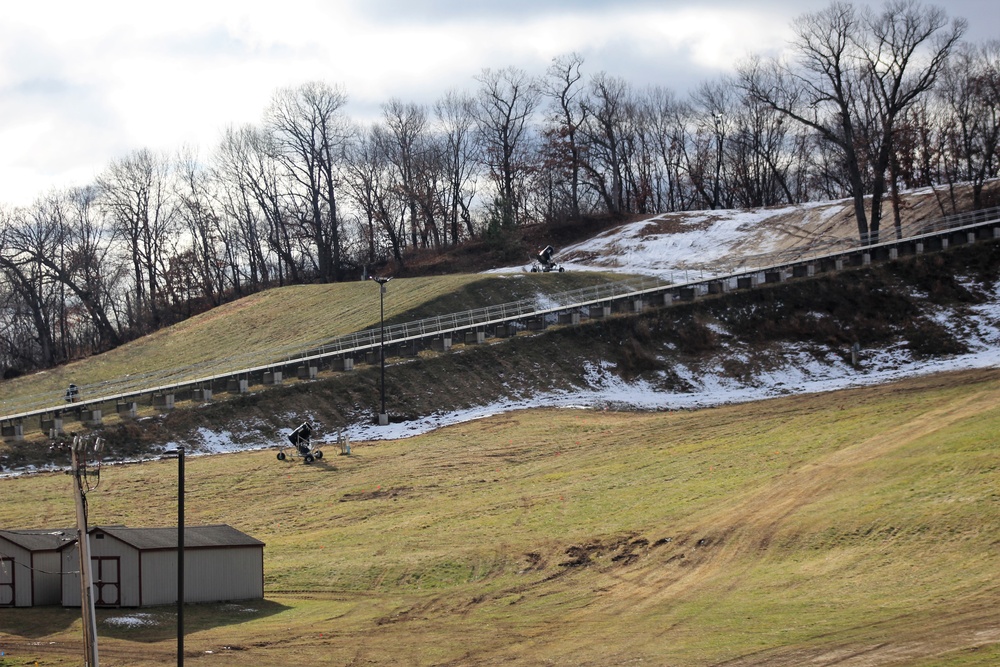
x,y
612,599
717,546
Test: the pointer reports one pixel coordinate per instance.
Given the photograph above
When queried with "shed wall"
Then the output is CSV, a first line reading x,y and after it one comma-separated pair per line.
x,y
128,570
7,590
70,568
210,575
17,560
149,577
128,573
234,573
48,581
159,577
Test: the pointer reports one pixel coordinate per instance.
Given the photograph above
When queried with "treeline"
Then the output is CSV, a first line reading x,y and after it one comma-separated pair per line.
x,y
868,103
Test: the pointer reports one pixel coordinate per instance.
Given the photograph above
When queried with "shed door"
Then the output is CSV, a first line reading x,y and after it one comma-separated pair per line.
x,y
107,584
6,582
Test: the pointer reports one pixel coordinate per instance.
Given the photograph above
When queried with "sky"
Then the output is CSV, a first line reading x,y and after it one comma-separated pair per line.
x,y
83,83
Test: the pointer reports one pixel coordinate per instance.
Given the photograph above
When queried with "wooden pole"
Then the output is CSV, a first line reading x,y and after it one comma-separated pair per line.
x,y
86,570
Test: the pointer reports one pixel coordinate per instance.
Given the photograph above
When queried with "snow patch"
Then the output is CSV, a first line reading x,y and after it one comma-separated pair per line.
x,y
136,620
701,246
685,253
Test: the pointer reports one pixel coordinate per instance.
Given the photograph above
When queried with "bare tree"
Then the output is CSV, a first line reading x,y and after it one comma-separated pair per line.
x,y
200,220
455,114
607,134
372,188
32,297
764,163
307,125
856,74
431,190
566,114
74,245
254,192
892,46
667,121
970,94
135,193
58,257
406,126
714,113
505,106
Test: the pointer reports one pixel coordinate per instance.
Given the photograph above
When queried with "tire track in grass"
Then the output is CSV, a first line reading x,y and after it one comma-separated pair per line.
x,y
722,545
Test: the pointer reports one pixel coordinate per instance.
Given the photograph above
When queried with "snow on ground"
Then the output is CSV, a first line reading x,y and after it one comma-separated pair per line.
x,y
608,391
133,620
633,248
705,238
213,442
605,390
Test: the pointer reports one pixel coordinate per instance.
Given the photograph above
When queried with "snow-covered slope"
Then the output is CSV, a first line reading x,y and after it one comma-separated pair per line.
x,y
707,241
674,245
669,245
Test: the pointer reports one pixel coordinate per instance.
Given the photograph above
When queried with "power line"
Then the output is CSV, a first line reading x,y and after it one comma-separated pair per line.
x,y
4,557
7,557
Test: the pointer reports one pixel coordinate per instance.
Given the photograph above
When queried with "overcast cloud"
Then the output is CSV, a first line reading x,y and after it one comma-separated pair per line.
x,y
84,82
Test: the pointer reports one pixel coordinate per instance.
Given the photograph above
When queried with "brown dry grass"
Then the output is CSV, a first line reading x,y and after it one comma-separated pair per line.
x,y
264,327
853,528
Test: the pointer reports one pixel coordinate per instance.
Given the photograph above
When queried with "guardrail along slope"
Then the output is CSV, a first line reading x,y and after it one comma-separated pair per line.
x,y
262,329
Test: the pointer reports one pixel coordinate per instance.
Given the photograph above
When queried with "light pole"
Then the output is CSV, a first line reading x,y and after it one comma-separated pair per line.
x,y
383,416
718,159
179,454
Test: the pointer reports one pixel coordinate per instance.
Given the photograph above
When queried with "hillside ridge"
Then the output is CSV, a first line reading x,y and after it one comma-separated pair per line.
x,y
925,314
689,357
801,473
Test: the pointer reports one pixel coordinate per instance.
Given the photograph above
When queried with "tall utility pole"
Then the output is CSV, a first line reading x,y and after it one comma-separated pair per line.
x,y
383,416
79,464
179,454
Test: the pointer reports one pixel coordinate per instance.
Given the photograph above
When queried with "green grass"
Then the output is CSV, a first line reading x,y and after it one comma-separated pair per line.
x,y
292,318
785,532
857,527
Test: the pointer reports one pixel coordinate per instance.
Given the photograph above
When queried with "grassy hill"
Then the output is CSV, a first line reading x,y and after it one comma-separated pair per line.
x,y
853,528
921,309
264,326
858,527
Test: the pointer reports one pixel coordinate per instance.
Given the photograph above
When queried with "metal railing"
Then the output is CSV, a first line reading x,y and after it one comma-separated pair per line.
x,y
831,246
203,373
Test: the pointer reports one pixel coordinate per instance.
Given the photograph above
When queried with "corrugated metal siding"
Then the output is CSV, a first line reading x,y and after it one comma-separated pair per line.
x,y
224,574
7,585
48,582
149,578
210,575
159,577
128,566
128,570
70,569
15,558
35,569
18,561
